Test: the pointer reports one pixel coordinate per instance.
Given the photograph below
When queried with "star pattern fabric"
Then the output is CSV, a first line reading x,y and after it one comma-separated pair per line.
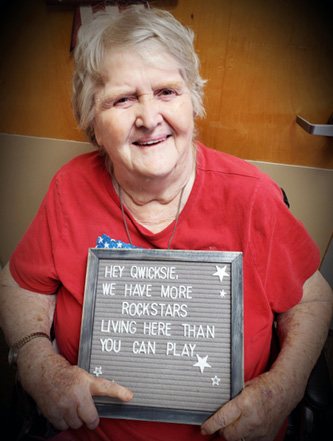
x,y
105,241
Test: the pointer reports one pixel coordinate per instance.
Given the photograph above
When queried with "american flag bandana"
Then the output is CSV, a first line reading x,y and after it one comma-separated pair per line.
x,y
105,241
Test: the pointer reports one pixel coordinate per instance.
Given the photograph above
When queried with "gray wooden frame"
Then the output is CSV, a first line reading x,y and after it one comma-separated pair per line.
x,y
111,408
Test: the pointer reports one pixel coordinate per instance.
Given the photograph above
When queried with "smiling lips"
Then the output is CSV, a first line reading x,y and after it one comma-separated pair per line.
x,y
143,143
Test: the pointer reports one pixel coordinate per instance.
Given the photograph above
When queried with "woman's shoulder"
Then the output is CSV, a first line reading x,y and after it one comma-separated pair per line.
x,y
243,176
80,177
83,163
212,159
86,167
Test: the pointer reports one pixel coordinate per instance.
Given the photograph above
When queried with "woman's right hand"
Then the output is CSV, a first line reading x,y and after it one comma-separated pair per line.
x,y
63,392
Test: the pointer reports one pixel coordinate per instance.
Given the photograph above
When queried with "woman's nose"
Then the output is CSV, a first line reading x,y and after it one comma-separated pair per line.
x,y
149,113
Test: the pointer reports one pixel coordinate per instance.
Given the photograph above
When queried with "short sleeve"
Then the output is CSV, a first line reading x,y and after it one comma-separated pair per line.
x,y
32,265
284,254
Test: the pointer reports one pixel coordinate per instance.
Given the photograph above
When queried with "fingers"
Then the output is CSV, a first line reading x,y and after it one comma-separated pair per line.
x,y
60,425
102,387
73,420
71,404
62,420
88,414
224,417
75,416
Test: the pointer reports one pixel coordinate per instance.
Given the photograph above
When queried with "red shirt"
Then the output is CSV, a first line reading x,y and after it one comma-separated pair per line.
x,y
232,207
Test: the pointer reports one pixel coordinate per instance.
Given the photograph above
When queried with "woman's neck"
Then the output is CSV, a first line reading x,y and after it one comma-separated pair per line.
x,y
155,204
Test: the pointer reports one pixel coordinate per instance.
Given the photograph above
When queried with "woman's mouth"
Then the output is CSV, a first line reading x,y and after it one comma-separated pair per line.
x,y
149,142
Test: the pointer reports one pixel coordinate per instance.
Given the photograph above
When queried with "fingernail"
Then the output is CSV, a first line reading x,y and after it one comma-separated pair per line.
x,y
128,395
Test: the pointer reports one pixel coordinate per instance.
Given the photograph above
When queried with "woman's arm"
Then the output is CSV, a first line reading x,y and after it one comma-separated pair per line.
x,y
266,401
23,312
62,392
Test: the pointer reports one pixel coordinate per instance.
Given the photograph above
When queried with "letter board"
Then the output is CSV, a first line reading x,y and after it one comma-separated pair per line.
x,y
168,325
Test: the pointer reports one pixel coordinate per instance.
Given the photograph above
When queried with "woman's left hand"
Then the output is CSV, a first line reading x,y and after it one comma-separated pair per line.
x,y
257,413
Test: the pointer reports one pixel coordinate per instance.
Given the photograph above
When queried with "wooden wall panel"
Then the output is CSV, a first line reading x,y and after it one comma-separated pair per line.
x,y
36,72
266,61
270,62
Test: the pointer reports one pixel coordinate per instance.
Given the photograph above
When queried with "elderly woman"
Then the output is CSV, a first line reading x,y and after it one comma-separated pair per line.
x,y
137,92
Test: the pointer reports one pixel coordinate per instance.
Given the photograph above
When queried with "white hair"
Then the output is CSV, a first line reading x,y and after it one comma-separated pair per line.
x,y
131,27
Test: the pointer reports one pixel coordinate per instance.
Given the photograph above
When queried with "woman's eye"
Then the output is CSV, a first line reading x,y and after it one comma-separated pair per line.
x,y
124,102
167,93
121,101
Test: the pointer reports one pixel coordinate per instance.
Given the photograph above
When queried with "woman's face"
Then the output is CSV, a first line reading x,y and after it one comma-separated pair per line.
x,y
144,115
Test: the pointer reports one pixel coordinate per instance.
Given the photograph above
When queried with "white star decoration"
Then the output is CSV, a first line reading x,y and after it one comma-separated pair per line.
x,y
215,381
221,272
223,293
98,371
202,363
